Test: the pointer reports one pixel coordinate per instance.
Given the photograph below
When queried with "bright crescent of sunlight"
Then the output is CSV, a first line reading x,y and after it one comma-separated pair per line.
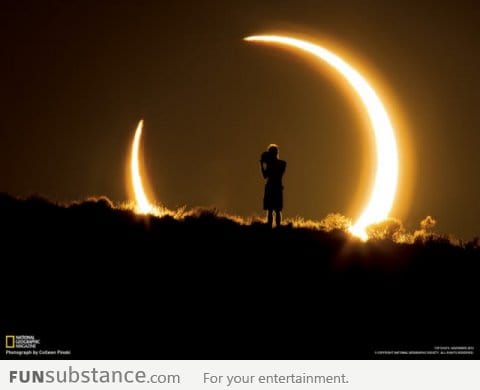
x,y
143,206
386,177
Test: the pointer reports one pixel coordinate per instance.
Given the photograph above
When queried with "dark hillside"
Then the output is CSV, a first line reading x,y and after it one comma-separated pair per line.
x,y
107,283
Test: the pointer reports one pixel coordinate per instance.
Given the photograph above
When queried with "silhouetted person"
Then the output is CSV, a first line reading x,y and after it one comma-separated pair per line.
x,y
273,169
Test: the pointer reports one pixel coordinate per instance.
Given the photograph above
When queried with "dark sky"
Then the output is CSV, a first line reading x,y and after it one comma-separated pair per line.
x,y
78,75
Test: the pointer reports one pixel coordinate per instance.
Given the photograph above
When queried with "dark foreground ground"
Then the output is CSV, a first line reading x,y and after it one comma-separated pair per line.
x,y
105,283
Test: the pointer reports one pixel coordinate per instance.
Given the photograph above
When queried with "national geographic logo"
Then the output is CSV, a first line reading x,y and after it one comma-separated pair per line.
x,y
9,342
21,342
29,346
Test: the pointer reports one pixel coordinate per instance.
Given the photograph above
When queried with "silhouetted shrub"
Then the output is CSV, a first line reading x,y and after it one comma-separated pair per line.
x,y
390,229
335,221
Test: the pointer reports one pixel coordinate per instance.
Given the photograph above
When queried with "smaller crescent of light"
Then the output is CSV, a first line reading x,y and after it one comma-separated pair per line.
x,y
142,206
384,188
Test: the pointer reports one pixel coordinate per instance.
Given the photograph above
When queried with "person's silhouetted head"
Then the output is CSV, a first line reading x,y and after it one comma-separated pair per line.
x,y
273,150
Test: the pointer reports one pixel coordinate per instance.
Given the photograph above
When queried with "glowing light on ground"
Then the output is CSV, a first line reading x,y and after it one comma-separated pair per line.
x,y
386,177
143,205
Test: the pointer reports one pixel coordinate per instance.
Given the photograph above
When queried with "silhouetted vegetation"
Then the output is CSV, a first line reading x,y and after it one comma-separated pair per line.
x,y
204,285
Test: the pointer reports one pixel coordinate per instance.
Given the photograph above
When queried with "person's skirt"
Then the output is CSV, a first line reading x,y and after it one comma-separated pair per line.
x,y
273,197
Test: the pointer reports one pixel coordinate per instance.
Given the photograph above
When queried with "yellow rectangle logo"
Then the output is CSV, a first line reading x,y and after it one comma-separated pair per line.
x,y
9,342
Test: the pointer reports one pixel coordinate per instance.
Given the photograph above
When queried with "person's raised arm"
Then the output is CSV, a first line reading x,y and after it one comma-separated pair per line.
x,y
263,168
264,164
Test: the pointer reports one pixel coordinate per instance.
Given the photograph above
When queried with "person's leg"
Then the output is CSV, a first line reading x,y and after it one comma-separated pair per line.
x,y
270,218
278,218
